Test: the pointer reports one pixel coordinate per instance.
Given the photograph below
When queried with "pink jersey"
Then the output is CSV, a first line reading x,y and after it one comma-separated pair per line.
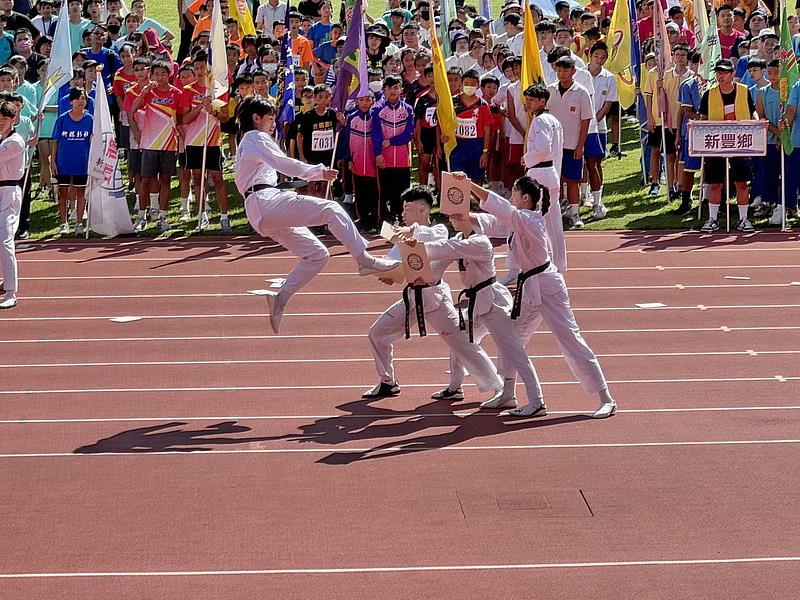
x,y
192,97
395,123
357,143
131,94
160,125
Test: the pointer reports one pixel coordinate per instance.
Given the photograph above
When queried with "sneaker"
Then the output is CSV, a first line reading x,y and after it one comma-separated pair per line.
x,y
777,215
225,225
587,201
9,301
73,215
710,225
163,224
576,221
745,226
202,222
674,195
762,210
153,214
499,401
448,394
655,189
383,390
684,209
756,202
185,217
79,231
140,224
599,211
64,229
529,410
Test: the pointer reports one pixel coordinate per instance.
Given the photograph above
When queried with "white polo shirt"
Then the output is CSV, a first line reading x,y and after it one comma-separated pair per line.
x,y
571,108
605,90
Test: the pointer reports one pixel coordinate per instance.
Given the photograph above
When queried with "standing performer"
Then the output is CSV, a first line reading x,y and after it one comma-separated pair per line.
x,y
435,306
545,148
284,215
541,293
12,160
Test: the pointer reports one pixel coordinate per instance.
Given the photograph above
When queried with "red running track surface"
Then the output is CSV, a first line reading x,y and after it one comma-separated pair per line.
x,y
194,454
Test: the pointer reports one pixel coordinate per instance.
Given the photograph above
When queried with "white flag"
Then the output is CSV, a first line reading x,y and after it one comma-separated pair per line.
x,y
216,55
59,69
108,208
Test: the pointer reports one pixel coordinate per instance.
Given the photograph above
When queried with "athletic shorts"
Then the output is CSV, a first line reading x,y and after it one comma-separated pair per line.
x,y
427,136
159,162
714,170
603,140
466,157
124,136
73,180
614,110
571,168
690,163
654,139
593,147
194,158
135,161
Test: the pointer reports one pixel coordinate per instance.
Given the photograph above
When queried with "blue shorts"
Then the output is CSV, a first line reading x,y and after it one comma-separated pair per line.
x,y
603,139
593,148
467,157
690,163
570,168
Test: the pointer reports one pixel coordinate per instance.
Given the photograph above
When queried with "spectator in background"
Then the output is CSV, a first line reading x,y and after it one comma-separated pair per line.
x,y
268,13
138,7
320,32
45,21
49,116
729,38
72,135
18,20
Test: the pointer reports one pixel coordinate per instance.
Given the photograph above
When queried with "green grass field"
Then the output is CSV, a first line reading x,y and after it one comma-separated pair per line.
x,y
629,206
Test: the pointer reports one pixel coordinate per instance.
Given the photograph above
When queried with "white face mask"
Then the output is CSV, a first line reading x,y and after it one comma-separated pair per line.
x,y
469,90
270,68
460,53
375,86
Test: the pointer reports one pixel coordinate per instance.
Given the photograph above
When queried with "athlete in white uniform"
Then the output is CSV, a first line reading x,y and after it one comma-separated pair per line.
x,y
436,309
489,306
284,215
541,293
12,157
545,146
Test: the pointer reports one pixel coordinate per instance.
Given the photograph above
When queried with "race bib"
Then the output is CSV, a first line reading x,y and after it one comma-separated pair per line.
x,y
467,128
321,141
430,116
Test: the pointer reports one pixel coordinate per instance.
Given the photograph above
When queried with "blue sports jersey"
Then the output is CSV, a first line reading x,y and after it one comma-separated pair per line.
x,y
73,137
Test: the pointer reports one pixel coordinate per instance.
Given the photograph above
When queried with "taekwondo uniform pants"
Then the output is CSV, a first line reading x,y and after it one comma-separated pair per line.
x,y
286,216
548,177
390,327
10,205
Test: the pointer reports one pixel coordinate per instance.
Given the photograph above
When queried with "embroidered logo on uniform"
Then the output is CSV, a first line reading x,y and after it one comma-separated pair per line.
x,y
415,262
572,109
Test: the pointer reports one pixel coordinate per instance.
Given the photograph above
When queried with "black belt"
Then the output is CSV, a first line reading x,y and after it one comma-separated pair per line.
x,y
418,306
542,165
471,294
289,184
257,188
9,183
521,279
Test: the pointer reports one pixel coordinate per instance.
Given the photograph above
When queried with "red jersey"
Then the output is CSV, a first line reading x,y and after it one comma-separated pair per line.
x,y
471,118
160,119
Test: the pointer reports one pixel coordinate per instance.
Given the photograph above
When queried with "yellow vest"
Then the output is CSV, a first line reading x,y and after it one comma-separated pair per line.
x,y
716,110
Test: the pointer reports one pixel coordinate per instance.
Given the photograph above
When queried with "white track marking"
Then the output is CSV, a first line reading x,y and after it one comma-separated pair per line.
x,y
364,386
400,447
383,417
82,340
413,568
270,361
373,314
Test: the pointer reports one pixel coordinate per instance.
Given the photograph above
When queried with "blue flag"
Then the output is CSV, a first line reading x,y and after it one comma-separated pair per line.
x,y
636,49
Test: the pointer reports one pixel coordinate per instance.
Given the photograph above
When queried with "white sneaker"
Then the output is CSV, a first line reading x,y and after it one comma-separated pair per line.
x,y
153,214
577,223
9,301
498,401
745,226
64,229
756,202
529,410
777,215
185,217
587,200
607,409
163,224
79,231
225,225
202,222
140,224
599,211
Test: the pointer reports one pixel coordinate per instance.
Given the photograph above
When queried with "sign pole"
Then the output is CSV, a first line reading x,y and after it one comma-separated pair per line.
x,y
727,195
783,189
700,195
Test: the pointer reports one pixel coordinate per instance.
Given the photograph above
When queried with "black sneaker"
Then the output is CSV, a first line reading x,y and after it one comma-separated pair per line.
x,y
655,189
448,394
684,209
383,390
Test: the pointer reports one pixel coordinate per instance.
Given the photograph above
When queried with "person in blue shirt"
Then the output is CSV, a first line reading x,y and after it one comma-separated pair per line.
x,y
689,96
792,162
72,136
6,41
320,32
768,106
79,79
109,59
326,52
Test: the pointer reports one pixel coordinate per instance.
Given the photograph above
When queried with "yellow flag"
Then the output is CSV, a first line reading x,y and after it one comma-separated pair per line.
x,y
531,59
445,111
238,10
619,61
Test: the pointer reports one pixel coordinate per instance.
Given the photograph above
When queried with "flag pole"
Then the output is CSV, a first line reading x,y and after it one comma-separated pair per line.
x,y
783,190
333,162
700,195
201,203
727,195
619,130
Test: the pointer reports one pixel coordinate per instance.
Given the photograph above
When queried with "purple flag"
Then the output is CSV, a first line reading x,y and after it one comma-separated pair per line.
x,y
353,60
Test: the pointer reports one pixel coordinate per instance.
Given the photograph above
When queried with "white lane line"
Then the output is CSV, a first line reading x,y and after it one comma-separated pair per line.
x,y
395,292
83,340
230,258
383,417
373,314
412,568
400,447
364,386
354,274
278,361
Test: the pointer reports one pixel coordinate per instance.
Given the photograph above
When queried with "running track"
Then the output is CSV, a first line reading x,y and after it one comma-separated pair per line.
x,y
193,454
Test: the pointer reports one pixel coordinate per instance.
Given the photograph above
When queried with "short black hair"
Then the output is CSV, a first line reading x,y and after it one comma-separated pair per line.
x,y
537,90
76,92
565,62
7,109
418,193
758,63
161,64
488,79
251,106
392,80
471,74
321,88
